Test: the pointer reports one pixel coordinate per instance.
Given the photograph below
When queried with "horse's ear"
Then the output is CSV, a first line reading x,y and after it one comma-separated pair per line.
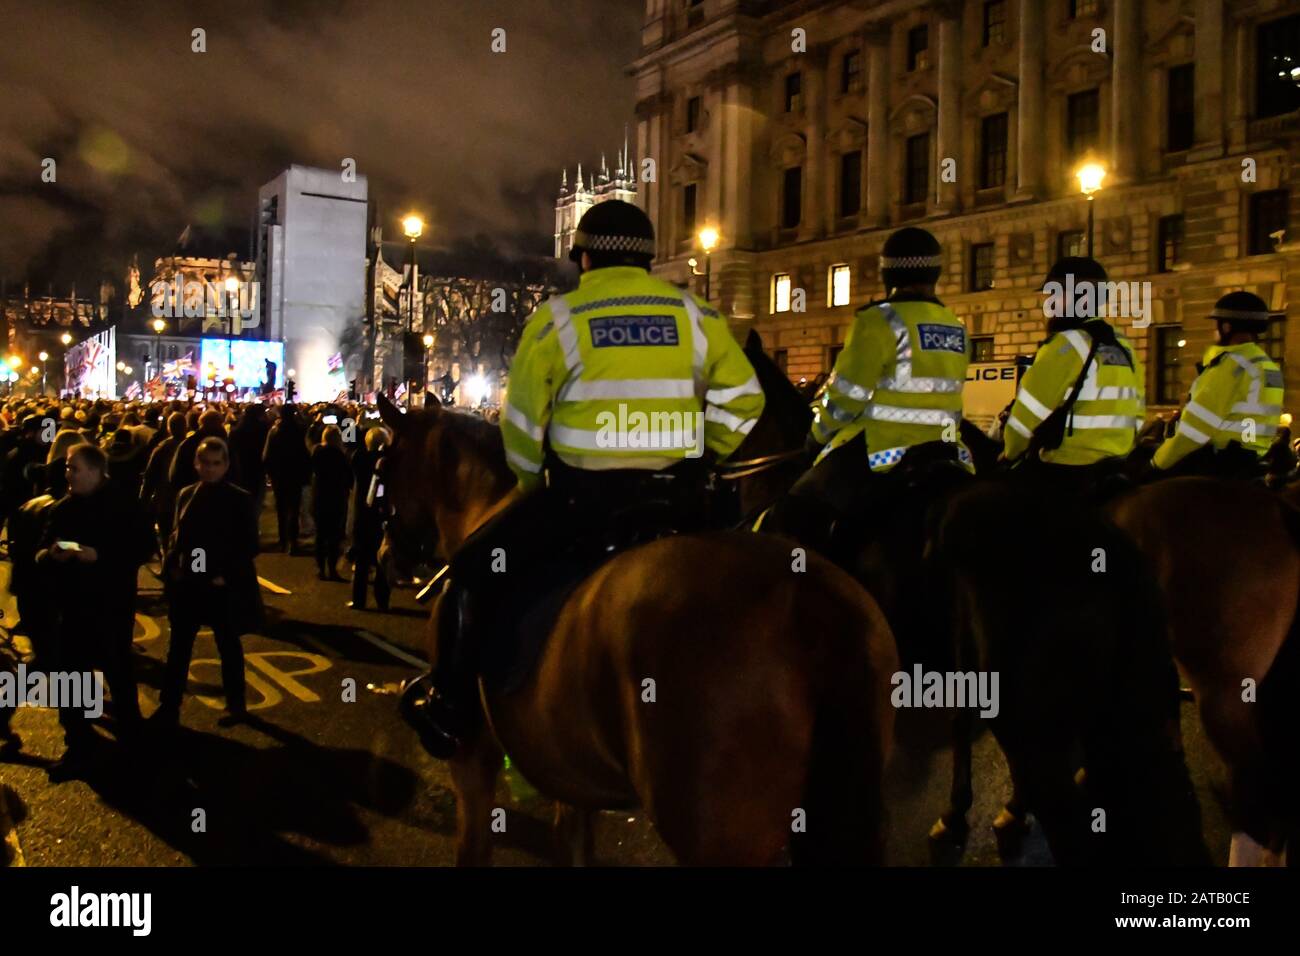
x,y
389,413
753,341
430,399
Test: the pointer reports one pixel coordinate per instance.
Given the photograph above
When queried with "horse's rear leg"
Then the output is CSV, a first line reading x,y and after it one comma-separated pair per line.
x,y
1045,779
951,829
574,835
474,778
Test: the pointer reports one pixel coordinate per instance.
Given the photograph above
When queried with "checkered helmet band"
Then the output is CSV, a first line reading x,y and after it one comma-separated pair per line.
x,y
636,244
1242,314
911,262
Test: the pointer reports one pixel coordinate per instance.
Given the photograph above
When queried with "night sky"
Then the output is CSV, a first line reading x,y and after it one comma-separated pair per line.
x,y
150,136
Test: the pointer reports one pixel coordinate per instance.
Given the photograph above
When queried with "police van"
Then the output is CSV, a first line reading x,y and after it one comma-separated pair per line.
x,y
991,387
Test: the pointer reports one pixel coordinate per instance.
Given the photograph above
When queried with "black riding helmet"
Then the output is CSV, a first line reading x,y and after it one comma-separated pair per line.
x,y
911,256
1244,311
615,228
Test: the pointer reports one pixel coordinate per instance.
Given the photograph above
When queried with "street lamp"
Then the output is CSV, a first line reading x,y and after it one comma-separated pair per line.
x,y
1090,176
66,338
158,326
413,226
44,357
428,344
708,240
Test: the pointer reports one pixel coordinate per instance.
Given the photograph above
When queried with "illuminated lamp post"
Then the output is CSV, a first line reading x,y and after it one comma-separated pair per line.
x,y
1090,176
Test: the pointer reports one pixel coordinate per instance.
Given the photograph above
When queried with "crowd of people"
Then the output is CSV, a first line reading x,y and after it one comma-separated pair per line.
x,y
92,490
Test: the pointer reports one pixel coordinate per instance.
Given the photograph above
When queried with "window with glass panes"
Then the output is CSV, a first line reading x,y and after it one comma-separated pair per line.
x,y
1169,250
1273,341
981,348
993,151
793,92
688,209
995,21
1082,8
918,48
1082,121
850,183
781,292
1168,378
851,72
916,186
1181,119
1071,243
1269,214
1277,57
838,284
791,197
981,266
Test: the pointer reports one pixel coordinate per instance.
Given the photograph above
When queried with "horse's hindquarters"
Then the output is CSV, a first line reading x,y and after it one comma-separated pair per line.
x,y
714,681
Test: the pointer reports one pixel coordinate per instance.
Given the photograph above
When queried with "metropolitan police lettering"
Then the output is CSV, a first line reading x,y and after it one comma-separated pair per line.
x,y
1113,355
633,330
944,338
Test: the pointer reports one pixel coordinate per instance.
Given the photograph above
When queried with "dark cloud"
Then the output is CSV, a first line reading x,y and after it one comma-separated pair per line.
x,y
149,136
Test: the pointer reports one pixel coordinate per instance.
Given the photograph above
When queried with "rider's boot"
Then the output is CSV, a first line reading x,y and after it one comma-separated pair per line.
x,y
443,705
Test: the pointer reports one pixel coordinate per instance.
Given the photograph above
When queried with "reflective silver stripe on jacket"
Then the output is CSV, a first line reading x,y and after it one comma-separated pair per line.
x,y
628,389
902,379
913,416
567,334
848,389
698,342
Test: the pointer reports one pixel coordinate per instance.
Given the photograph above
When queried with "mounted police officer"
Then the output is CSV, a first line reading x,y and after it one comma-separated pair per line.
x,y
1081,403
895,394
1232,414
619,393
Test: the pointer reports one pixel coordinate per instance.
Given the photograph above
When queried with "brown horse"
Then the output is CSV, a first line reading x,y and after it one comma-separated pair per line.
x,y
698,676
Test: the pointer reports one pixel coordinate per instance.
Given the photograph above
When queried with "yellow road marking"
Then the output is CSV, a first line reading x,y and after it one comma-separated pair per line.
x,y
272,586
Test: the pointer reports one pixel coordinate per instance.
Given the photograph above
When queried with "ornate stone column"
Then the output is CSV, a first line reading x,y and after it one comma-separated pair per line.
x,y
1030,117
878,125
947,196
1125,83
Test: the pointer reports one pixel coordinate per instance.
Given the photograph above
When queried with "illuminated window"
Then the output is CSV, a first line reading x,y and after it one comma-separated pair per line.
x,y
1277,67
781,292
1082,8
839,285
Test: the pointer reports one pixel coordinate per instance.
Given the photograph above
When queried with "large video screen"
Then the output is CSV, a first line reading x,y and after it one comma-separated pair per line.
x,y
248,357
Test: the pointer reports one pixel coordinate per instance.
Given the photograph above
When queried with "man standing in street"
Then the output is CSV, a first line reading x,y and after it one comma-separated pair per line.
x,y
210,579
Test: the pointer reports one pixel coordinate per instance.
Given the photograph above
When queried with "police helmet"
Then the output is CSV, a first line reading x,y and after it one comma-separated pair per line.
x,y
911,256
1244,310
617,228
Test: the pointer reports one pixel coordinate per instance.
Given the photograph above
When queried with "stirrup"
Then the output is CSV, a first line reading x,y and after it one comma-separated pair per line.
x,y
430,716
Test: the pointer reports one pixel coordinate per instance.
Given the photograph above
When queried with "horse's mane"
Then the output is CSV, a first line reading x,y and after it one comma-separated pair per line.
x,y
484,438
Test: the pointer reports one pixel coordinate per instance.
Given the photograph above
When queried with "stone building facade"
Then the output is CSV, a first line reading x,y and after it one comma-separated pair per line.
x,y
806,131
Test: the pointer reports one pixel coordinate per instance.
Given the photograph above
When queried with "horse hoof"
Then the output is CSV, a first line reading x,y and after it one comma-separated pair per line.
x,y
1010,831
948,840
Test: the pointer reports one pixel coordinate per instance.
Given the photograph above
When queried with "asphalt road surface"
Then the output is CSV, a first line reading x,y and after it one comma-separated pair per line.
x,y
320,779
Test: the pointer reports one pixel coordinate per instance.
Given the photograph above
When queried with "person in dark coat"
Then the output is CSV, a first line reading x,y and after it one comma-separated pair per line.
x,y
369,511
156,490
183,472
248,440
126,462
90,554
210,578
331,482
27,583
19,479
288,465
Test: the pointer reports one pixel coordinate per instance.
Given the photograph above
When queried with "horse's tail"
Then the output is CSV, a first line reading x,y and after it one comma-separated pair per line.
x,y
852,731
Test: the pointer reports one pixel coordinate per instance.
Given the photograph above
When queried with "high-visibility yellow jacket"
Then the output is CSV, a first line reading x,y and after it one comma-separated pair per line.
x,y
626,371
899,380
1237,398
1107,414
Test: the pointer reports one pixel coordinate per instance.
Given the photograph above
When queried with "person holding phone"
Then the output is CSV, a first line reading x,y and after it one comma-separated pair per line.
x,y
90,555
